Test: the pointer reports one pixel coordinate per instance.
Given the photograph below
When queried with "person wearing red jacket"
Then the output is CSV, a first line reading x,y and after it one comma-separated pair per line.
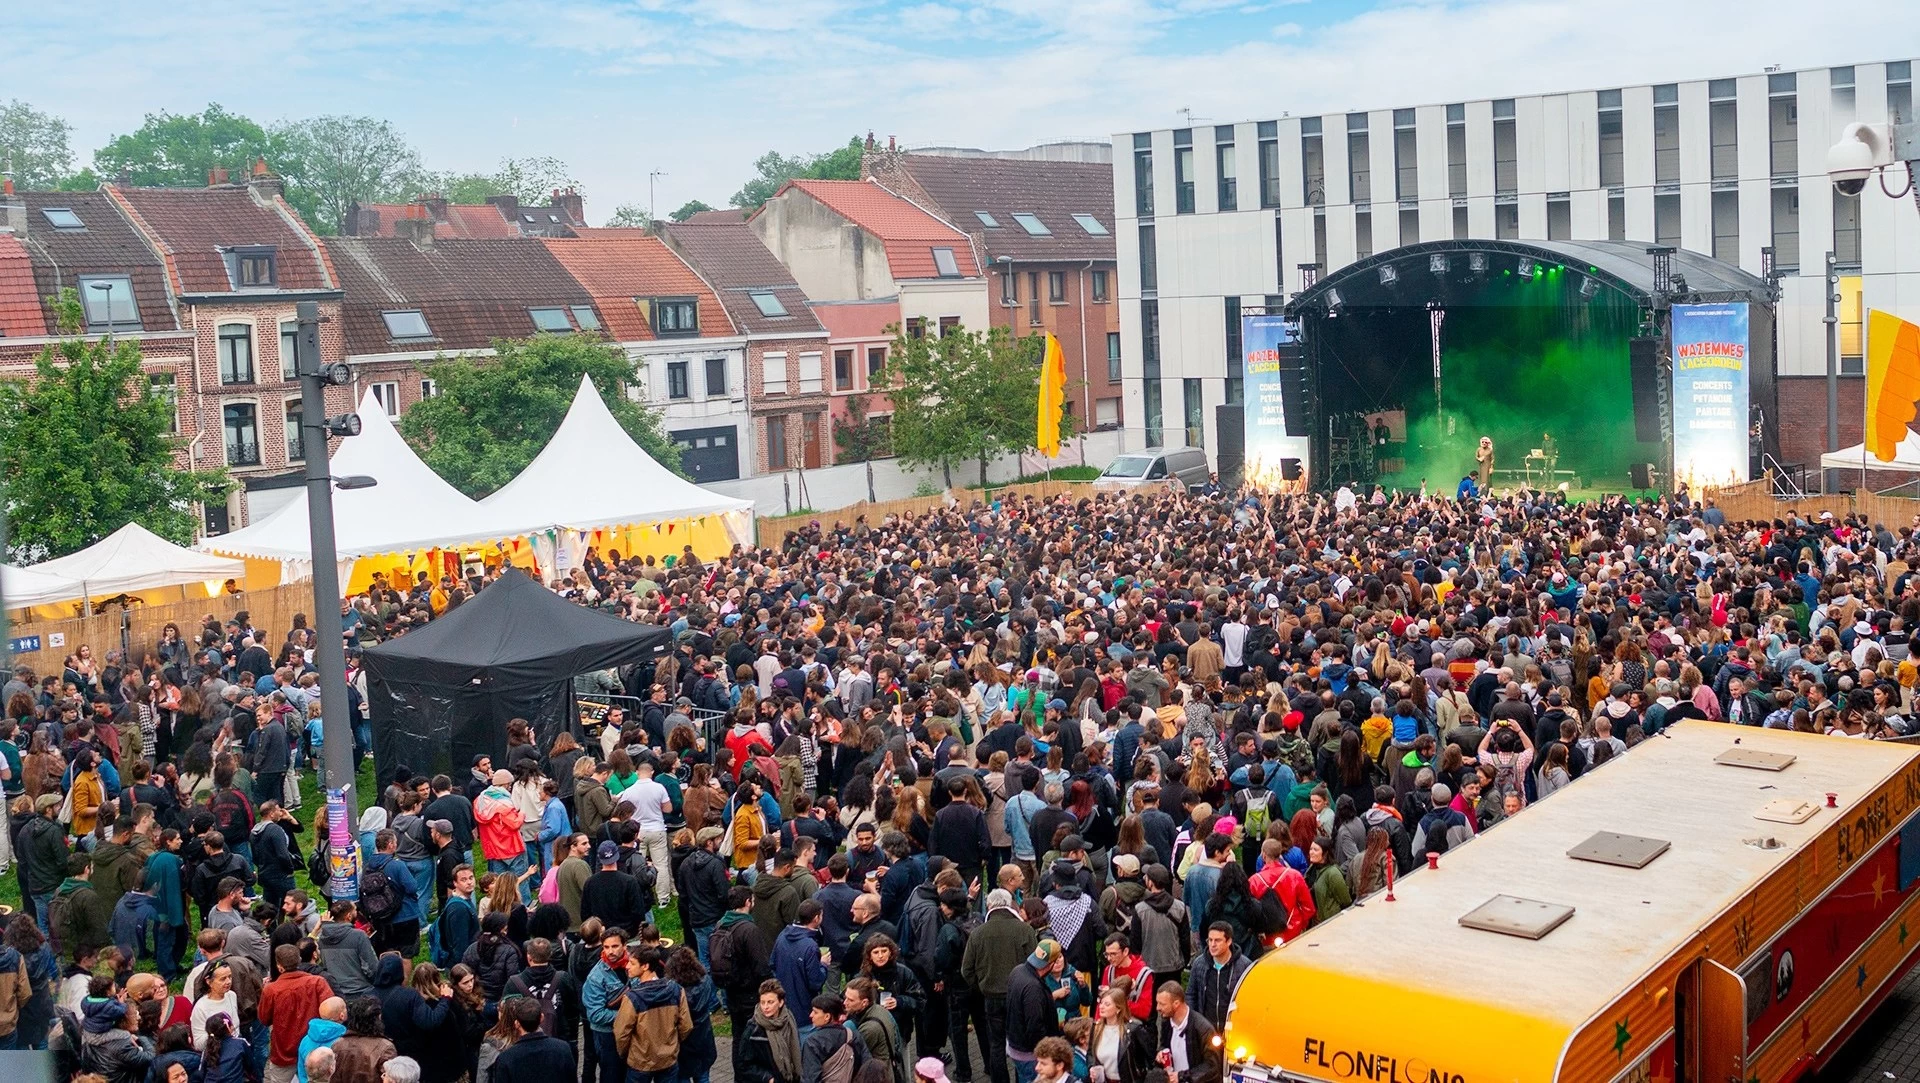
x,y
499,822
1123,963
1288,885
742,740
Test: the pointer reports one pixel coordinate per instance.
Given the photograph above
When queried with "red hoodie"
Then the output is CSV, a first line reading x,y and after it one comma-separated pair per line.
x,y
1291,889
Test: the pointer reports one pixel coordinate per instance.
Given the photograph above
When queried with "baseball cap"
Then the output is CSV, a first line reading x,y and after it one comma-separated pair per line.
x,y
607,854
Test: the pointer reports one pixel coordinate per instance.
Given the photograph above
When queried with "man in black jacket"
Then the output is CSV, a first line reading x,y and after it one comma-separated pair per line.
x,y
1031,1015
1185,1038
273,856
219,864
533,1057
43,854
613,895
702,883
550,987
1216,972
960,833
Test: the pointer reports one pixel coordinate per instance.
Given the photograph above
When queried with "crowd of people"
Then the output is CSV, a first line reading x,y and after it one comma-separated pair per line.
x,y
1000,792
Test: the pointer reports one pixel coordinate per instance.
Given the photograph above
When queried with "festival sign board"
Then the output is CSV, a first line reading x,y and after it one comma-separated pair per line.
x,y
1710,393
1271,454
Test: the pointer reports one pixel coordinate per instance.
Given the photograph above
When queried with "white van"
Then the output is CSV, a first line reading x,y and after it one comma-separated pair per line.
x,y
1156,466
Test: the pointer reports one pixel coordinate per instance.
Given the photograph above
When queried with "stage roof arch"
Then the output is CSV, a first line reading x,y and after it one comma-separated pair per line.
x,y
1406,275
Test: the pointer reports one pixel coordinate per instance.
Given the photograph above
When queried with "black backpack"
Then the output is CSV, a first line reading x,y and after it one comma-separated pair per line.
x,y
230,814
320,867
720,956
547,995
642,870
380,898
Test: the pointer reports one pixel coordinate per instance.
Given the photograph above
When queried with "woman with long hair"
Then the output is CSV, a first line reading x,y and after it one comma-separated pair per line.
x,y
1133,840
43,767
1233,903
1350,774
1366,871
698,1052
1553,775
1120,1049
1324,878
437,1027
469,1016
900,990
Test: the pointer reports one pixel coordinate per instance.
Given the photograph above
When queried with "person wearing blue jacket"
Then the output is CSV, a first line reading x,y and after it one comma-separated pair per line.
x,y
796,955
134,916
402,934
322,1032
600,1000
170,932
554,824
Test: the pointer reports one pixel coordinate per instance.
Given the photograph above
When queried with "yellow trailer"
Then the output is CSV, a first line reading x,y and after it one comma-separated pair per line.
x,y
1723,904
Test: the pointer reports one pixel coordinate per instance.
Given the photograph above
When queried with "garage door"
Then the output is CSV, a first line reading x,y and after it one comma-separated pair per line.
x,y
709,454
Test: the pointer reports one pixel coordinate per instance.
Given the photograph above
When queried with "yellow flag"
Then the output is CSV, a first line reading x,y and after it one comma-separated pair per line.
x,y
1053,398
1893,381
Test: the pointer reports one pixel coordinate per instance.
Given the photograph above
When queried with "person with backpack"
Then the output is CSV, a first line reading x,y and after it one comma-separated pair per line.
x,y
740,957
232,812
702,884
552,988
390,898
1160,921
458,924
830,1053
1254,807
274,858
74,915
42,852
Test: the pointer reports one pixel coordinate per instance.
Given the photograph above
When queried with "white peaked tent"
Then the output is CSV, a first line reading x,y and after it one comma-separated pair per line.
x,y
25,587
410,509
127,561
1906,457
592,475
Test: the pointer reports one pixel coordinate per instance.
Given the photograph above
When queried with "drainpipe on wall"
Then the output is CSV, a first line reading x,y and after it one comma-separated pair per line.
x,y
1086,380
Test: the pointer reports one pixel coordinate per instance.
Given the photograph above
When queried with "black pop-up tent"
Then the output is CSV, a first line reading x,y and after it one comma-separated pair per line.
x,y
444,694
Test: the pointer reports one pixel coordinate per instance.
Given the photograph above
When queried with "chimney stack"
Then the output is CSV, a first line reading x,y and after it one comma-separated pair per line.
x,y
416,228
217,176
13,209
436,205
264,183
572,206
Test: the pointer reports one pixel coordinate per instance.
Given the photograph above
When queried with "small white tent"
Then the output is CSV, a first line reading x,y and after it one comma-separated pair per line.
x,y
1906,457
592,475
25,587
130,560
410,509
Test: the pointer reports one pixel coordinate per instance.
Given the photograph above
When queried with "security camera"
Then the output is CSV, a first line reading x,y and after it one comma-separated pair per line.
x,y
1862,149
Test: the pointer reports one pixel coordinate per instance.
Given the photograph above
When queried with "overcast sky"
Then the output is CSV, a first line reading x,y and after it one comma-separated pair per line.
x,y
699,88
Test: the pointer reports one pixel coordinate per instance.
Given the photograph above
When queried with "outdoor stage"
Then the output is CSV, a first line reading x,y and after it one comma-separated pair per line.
x,y
1397,365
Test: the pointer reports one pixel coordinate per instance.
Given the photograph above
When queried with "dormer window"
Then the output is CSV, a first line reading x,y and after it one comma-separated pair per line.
x,y
252,267
944,263
63,218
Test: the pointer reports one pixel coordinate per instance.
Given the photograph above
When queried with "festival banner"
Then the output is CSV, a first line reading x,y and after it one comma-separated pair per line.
x,y
343,849
1710,391
1264,417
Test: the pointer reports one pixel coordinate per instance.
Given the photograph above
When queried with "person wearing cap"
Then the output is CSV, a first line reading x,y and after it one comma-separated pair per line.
x,y
499,821
613,894
702,882
1031,1015
1001,944
42,853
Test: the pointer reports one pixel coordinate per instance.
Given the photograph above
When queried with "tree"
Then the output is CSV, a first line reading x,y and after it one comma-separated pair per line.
x,y
964,395
774,169
490,417
630,216
331,162
178,150
87,447
688,209
862,438
530,180
36,143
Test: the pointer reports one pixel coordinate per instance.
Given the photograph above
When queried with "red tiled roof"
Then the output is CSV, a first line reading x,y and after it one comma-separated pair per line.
x,y
723,215
195,224
20,314
469,292
858,319
107,244
469,221
909,233
618,265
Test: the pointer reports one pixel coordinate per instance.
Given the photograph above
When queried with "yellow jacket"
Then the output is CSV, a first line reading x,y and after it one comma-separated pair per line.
x,y
88,796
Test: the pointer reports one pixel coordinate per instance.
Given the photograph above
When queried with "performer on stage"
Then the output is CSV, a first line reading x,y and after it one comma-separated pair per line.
x,y
1485,458
1549,451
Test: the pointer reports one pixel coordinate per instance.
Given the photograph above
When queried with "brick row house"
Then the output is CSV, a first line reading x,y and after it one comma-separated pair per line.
x,y
207,280
1045,233
499,217
859,337
786,346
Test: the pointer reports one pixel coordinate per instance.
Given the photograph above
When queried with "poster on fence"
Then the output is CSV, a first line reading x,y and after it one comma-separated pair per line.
x,y
1710,388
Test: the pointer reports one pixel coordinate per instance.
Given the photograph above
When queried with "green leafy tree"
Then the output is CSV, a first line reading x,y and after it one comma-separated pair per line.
x,y
491,416
688,209
36,143
178,149
863,438
773,169
87,447
630,216
331,162
531,180
964,396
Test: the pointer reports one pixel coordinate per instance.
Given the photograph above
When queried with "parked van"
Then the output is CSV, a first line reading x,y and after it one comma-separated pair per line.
x,y
1156,466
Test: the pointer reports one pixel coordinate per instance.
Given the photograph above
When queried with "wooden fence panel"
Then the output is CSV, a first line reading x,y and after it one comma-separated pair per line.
x,y
772,530
1755,501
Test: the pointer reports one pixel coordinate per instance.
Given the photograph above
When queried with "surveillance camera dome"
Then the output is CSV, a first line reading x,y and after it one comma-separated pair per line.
x,y
1850,163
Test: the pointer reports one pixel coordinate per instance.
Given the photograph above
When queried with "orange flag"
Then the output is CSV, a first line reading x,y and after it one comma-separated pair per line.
x,y
1053,398
1893,381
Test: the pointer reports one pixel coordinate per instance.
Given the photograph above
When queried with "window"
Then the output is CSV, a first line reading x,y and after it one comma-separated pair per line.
x,y
1183,171
774,374
1223,161
1320,238
1359,159
1150,339
289,341
1279,254
1782,83
585,317
1113,357
777,443
108,302
251,267
1457,150
676,316
1666,144
1313,163
1057,287
986,219
1406,160
1786,229
1236,357
917,327
770,305
164,389
1613,172
1506,221
1726,227
1559,219
716,377
810,371
1852,313
1099,287
428,389
1783,130
550,319
236,353
406,323
1154,421
1846,230
388,396
1617,218
1106,413
677,381
240,423
1033,298
1010,288
1409,225
1149,260
1899,91
876,362
1723,134
1269,164
1143,175
944,263
1460,228
63,218
1506,165
1362,234
1091,224
1033,225
1196,413
1666,220
843,370
296,436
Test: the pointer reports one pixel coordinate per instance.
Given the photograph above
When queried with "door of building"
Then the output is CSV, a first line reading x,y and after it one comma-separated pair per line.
x,y
810,436
709,454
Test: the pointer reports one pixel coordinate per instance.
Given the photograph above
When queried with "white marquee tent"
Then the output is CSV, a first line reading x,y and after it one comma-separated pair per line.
x,y
1906,457
25,587
592,475
410,509
127,561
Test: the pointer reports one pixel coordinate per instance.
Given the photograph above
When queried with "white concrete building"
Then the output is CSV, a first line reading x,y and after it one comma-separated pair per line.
x,y
1215,218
